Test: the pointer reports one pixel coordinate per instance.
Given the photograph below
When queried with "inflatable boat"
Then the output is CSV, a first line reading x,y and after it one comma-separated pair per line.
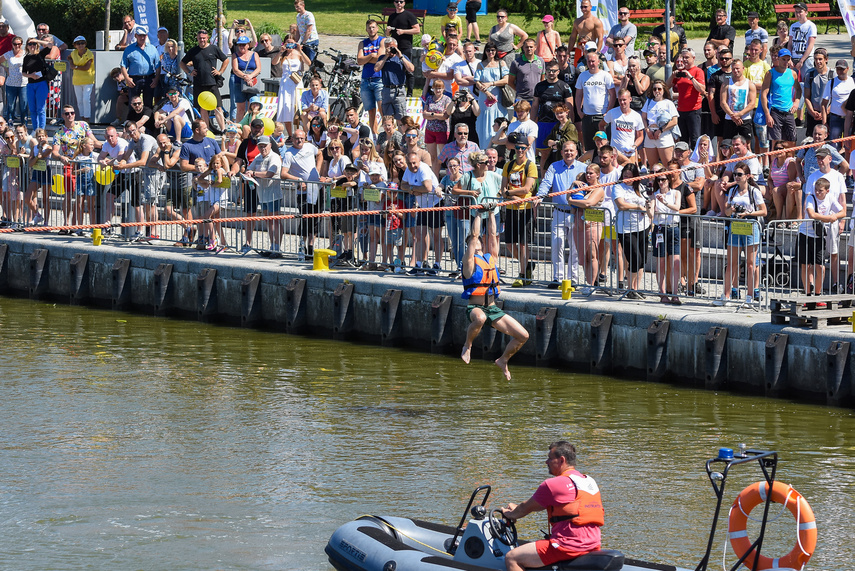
x,y
392,543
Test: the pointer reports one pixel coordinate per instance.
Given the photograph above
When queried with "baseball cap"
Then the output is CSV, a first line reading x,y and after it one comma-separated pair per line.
x,y
726,143
78,39
548,18
601,135
591,46
648,53
753,15
140,31
842,63
800,6
162,29
242,40
682,146
451,5
517,138
257,123
375,169
263,140
785,52
823,151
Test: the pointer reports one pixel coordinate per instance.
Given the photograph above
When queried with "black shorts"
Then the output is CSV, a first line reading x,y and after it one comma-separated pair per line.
x,y
430,218
811,250
634,249
519,226
343,224
690,231
718,130
785,126
472,12
250,198
199,89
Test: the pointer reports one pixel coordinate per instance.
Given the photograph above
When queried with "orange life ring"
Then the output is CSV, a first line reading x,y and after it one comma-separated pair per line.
x,y
783,494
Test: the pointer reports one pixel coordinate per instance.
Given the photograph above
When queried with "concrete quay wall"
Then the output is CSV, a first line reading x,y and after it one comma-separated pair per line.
x,y
693,345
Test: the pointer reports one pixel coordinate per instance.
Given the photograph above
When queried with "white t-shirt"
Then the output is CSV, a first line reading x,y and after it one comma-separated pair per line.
x,y
839,94
836,181
418,178
115,152
753,166
659,112
336,168
609,198
301,163
630,220
269,189
624,129
183,108
529,129
825,207
663,215
595,91
801,33
745,199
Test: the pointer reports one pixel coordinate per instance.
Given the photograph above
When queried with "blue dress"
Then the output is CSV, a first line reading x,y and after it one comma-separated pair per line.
x,y
484,124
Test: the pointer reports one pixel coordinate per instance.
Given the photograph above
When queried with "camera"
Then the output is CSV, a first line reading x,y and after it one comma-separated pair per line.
x,y
462,95
290,45
738,209
242,22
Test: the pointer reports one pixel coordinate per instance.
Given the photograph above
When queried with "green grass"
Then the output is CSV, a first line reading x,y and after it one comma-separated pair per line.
x,y
347,17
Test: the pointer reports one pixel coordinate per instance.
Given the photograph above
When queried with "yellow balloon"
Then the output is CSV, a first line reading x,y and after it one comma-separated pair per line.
x,y
433,59
58,184
268,125
207,101
211,135
104,175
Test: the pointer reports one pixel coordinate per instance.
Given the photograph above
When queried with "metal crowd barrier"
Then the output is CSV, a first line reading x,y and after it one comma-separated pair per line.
x,y
699,257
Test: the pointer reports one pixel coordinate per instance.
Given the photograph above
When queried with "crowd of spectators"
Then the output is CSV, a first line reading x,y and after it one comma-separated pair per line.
x,y
527,117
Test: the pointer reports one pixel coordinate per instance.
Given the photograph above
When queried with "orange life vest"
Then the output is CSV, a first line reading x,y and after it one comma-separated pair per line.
x,y
484,279
586,509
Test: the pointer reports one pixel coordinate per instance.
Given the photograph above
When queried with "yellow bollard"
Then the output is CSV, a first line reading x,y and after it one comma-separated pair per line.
x,y
566,289
96,236
852,320
320,259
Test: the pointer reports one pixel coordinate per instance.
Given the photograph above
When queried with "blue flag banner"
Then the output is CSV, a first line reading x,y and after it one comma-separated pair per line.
x,y
145,14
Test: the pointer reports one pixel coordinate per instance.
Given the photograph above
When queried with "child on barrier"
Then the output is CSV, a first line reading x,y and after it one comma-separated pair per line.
x,y
230,143
122,99
393,222
254,112
205,183
816,234
84,172
12,196
373,196
341,201
39,178
278,135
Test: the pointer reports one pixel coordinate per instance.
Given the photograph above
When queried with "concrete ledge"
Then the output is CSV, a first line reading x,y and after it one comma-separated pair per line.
x,y
805,374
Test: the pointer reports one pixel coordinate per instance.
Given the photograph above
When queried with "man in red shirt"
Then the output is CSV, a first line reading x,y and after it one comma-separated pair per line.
x,y
689,82
575,510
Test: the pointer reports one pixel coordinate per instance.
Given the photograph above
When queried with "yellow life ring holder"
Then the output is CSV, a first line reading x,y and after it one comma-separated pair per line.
x,y
787,496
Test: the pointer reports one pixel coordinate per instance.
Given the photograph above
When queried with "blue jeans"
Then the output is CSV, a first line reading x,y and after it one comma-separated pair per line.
x,y
311,49
233,87
37,94
457,231
371,91
16,97
835,127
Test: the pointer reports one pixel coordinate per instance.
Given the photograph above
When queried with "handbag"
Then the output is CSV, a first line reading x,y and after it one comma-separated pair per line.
x,y
296,77
819,228
250,86
508,94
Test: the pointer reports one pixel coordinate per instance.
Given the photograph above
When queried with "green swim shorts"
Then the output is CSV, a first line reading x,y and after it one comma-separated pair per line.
x,y
493,312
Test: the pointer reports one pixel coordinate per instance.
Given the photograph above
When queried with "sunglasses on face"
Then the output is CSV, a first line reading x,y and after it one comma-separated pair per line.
x,y
739,174
68,112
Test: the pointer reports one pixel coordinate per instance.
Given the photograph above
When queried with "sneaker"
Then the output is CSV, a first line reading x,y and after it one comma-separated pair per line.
x,y
601,280
748,301
519,282
183,242
632,294
416,270
246,249
720,302
454,275
821,304
756,294
38,218
835,289
554,284
398,266
275,251
434,270
734,293
620,285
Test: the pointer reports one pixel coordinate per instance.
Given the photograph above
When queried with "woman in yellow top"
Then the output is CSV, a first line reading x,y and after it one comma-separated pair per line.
x,y
518,178
83,64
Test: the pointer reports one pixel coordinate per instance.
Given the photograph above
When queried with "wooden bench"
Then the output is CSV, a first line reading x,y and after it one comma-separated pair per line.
x,y
821,11
383,18
657,14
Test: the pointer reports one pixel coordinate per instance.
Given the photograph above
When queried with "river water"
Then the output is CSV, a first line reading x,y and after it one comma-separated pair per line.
x,y
129,442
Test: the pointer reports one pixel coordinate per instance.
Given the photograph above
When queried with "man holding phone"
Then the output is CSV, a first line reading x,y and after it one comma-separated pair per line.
x,y
690,83
394,67
402,26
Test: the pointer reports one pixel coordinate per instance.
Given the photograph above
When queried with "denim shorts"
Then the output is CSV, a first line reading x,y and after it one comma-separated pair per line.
x,y
669,244
371,91
271,206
